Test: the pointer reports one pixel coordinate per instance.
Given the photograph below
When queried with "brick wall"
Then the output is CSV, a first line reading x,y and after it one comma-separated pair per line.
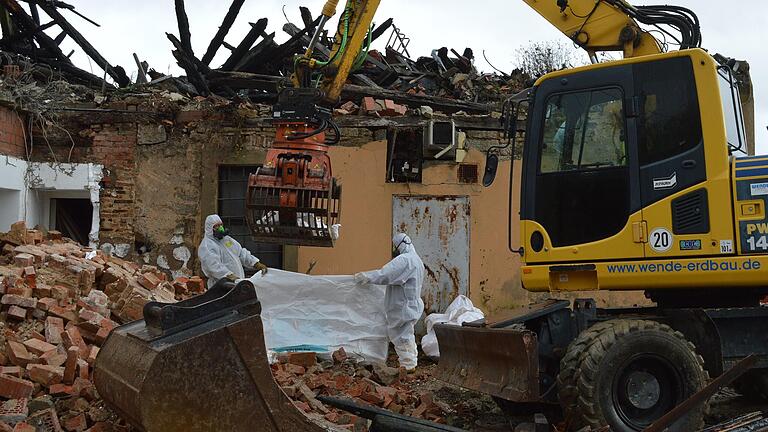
x,y
11,133
114,146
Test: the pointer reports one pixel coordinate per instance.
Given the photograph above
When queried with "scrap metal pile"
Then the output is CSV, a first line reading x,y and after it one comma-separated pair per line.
x,y
258,66
59,302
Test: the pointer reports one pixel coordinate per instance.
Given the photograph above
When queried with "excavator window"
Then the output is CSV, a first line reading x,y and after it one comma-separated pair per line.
x,y
670,123
584,131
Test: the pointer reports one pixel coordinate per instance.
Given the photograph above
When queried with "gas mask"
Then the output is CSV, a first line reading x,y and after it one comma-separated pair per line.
x,y
220,232
396,249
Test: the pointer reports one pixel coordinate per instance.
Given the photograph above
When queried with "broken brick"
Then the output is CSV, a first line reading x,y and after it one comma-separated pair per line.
x,y
46,303
17,300
70,366
66,313
54,327
55,357
304,359
18,353
149,281
17,313
72,337
75,424
38,347
23,260
339,355
92,355
15,388
45,374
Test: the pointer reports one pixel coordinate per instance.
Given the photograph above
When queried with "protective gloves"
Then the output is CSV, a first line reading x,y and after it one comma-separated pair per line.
x,y
260,267
361,279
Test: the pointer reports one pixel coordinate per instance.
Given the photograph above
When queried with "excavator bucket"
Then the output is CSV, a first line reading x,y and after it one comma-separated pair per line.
x,y
293,199
198,365
497,361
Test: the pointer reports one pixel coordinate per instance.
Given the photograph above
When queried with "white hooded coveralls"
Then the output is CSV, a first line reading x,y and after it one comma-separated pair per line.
x,y
219,258
404,276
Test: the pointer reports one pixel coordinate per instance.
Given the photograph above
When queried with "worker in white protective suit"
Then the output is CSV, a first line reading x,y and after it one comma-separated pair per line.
x,y
404,276
221,256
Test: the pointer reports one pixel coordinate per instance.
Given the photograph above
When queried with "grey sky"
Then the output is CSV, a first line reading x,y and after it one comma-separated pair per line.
x,y
735,29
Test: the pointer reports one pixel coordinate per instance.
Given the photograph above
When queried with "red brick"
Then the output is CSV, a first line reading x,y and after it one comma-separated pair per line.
x,y
11,370
149,281
58,390
15,388
91,320
302,405
55,357
75,424
46,303
369,105
23,260
92,355
17,313
295,369
195,284
38,347
83,371
65,313
303,359
339,355
18,353
59,292
54,326
17,300
30,276
45,374
70,366
24,427
41,291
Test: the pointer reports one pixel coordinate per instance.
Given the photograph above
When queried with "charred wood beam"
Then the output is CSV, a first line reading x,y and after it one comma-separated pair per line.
x,y
354,92
228,46
218,39
265,44
60,38
26,23
257,30
184,34
35,13
190,64
141,74
74,73
244,81
292,30
378,31
60,5
306,18
117,73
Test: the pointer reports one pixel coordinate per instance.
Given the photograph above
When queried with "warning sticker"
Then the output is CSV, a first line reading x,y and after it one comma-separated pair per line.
x,y
758,189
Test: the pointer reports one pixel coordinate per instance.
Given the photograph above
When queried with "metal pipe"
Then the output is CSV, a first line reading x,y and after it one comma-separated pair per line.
x,y
315,37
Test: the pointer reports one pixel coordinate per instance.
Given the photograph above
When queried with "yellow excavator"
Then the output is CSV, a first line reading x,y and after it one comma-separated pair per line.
x,y
630,181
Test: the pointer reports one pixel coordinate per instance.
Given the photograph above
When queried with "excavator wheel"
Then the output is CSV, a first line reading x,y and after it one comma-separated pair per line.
x,y
634,372
567,390
753,385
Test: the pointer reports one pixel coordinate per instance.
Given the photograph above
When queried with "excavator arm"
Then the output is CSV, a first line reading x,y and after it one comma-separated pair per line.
x,y
613,25
294,198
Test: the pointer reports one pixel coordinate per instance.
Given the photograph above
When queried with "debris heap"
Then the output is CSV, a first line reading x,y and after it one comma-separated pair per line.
x,y
59,302
303,378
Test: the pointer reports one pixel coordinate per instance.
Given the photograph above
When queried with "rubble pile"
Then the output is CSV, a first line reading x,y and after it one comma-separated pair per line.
x,y
303,378
59,302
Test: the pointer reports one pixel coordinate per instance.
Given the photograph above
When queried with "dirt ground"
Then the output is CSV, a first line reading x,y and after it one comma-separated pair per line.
x,y
479,413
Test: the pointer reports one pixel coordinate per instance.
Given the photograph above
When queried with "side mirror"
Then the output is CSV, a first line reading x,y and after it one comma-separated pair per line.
x,y
491,165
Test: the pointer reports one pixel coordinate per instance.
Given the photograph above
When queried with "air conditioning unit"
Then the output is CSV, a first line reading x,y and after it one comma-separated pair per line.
x,y
440,140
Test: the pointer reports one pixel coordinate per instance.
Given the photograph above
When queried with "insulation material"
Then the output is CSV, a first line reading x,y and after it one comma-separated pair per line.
x,y
329,311
461,310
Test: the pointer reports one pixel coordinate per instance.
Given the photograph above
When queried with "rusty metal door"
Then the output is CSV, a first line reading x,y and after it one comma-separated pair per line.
x,y
439,228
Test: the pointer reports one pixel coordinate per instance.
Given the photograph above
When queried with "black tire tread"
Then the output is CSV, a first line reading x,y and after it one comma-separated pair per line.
x,y
588,368
567,390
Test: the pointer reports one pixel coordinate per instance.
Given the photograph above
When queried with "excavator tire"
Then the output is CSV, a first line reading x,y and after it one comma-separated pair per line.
x,y
567,390
753,385
634,372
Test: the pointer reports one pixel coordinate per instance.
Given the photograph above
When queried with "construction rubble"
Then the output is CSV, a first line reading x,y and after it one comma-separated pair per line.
x,y
59,303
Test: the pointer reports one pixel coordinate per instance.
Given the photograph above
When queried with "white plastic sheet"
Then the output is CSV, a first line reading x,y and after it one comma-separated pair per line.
x,y
460,310
330,311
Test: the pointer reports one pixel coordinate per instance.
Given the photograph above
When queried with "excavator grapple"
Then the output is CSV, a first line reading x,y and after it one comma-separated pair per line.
x,y
197,365
293,198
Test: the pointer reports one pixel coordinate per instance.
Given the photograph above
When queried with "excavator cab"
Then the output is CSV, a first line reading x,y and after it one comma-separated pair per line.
x,y
293,199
